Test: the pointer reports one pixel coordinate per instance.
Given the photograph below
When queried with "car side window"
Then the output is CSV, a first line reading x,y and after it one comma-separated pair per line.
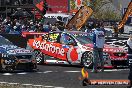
x,y
67,39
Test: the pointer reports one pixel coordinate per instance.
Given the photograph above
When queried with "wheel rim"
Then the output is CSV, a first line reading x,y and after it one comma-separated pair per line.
x,y
38,56
9,69
107,61
87,59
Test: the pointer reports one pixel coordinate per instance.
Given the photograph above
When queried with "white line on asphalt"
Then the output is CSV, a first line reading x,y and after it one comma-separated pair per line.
x,y
113,70
59,87
39,72
52,87
23,73
7,74
72,71
48,86
47,71
109,70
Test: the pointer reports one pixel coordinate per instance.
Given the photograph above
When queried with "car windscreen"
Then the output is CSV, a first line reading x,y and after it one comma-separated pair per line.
x,y
4,41
83,38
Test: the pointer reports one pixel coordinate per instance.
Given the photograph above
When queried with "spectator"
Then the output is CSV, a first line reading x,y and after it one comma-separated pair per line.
x,y
54,28
7,28
60,23
88,28
129,44
2,29
46,28
98,45
121,30
116,31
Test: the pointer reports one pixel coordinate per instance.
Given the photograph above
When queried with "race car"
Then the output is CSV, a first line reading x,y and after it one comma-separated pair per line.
x,y
14,58
74,47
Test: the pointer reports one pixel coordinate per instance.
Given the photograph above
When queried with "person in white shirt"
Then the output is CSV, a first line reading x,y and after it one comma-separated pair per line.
x,y
98,45
129,56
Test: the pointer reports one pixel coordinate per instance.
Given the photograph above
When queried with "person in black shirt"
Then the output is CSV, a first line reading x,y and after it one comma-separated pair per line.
x,y
60,23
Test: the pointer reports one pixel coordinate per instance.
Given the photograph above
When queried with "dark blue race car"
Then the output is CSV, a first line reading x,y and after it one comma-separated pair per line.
x,y
15,58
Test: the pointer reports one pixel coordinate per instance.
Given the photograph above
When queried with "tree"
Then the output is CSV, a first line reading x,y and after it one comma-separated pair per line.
x,y
104,10
72,4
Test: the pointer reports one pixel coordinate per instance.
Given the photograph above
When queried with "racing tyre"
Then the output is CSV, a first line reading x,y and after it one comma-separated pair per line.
x,y
107,60
10,69
38,56
87,59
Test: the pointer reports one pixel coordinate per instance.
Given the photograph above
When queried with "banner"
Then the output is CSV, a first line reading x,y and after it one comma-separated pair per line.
x,y
126,15
54,6
79,19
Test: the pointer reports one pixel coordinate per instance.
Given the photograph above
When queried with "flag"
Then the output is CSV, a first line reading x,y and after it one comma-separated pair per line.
x,y
126,15
78,3
79,19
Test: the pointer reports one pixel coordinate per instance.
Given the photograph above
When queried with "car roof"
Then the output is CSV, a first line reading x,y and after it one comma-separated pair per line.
x,y
73,32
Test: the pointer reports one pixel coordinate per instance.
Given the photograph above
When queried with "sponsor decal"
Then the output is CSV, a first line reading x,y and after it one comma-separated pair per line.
x,y
113,50
109,82
16,51
86,81
48,47
87,48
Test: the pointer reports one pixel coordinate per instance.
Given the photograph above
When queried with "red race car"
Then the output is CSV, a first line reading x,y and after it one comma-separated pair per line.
x,y
73,47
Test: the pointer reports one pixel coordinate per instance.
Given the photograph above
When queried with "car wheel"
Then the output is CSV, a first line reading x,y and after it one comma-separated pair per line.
x,y
87,59
107,61
38,56
9,68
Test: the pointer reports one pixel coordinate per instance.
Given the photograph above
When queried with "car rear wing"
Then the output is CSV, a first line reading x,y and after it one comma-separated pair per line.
x,y
25,34
32,35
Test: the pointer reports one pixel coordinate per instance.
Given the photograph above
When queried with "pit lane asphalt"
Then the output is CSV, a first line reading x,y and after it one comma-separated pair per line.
x,y
61,76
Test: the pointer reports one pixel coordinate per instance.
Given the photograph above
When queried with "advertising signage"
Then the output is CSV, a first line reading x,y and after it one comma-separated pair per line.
x,y
54,6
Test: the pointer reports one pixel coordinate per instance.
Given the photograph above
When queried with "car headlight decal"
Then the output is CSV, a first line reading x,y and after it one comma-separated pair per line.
x,y
4,55
9,61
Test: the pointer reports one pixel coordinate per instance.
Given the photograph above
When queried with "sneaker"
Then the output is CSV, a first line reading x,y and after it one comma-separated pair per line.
x,y
94,71
101,70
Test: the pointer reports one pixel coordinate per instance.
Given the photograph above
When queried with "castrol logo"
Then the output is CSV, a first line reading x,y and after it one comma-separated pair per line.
x,y
48,47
